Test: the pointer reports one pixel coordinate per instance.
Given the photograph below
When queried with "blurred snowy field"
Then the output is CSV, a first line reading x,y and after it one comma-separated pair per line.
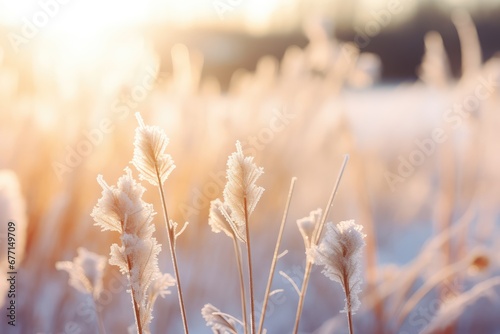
x,y
422,179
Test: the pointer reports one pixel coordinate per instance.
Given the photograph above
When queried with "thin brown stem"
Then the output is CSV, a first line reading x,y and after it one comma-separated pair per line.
x,y
171,243
137,313
314,241
319,229
349,321
242,283
275,257
303,290
250,275
348,300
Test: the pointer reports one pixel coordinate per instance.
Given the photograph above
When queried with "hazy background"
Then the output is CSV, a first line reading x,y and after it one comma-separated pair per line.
x,y
343,77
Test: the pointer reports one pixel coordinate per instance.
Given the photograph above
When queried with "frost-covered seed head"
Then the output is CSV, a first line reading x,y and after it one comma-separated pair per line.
x,y
308,224
85,272
122,209
218,322
242,173
150,158
340,254
220,220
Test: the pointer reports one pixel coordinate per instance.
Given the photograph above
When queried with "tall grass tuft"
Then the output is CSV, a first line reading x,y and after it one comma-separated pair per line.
x,y
313,230
241,195
154,166
122,209
276,256
220,221
340,254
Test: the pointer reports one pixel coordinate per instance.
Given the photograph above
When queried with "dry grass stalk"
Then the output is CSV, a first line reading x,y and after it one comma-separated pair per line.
x,y
316,233
275,257
155,166
241,195
220,221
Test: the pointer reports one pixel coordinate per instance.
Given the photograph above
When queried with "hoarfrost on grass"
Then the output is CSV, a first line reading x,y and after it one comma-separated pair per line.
x,y
122,209
150,158
340,253
242,173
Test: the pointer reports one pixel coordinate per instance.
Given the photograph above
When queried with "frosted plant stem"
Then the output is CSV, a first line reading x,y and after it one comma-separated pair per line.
x,y
134,302
171,241
242,283
315,238
303,291
319,229
275,257
137,313
250,275
349,320
348,299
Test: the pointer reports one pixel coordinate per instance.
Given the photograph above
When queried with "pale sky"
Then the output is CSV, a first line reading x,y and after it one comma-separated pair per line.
x,y
95,16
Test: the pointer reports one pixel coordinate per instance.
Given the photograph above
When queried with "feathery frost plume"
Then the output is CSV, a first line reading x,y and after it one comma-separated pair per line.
x,y
220,323
308,224
122,209
340,253
241,176
158,288
85,272
150,158
220,220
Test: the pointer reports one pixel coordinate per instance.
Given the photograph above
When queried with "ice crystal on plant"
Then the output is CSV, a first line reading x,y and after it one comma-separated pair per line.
x,y
242,173
220,220
150,158
122,209
340,254
217,321
308,224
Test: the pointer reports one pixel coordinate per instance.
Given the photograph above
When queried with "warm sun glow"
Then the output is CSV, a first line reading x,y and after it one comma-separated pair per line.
x,y
259,12
77,32
249,166
75,24
91,18
82,30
